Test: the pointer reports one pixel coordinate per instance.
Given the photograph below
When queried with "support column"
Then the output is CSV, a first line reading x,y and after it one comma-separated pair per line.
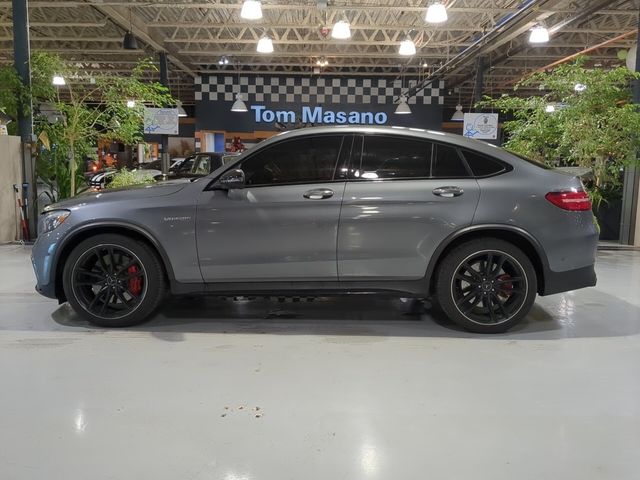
x,y
21,55
630,199
479,89
164,142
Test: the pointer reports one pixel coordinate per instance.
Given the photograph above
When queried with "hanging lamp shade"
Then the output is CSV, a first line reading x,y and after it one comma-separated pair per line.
x,y
403,107
251,10
239,105
341,30
539,34
129,42
458,115
265,45
181,111
436,13
407,47
5,119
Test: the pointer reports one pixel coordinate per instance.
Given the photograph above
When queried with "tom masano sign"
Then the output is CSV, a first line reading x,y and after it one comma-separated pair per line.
x,y
318,115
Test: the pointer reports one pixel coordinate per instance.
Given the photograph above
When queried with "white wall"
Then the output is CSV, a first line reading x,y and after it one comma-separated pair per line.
x,y
10,174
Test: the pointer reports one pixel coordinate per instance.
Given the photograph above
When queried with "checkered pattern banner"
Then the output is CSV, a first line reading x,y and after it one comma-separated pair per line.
x,y
313,90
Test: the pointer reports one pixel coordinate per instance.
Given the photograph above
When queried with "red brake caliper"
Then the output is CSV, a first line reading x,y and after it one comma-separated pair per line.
x,y
507,287
135,284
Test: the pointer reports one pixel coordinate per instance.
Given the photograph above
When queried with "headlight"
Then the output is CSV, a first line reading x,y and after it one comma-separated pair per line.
x,y
51,220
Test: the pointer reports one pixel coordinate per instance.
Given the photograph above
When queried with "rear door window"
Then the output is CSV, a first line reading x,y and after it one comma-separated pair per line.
x,y
393,157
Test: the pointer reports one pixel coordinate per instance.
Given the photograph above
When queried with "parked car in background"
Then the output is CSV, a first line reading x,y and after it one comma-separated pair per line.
x,y
330,210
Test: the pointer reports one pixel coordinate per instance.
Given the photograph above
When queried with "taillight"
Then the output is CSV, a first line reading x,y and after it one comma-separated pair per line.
x,y
570,200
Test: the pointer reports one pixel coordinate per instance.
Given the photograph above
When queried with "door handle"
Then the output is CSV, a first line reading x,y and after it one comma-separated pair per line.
x,y
448,192
318,194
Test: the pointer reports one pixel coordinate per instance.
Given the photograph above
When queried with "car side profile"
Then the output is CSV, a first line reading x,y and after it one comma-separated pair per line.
x,y
330,210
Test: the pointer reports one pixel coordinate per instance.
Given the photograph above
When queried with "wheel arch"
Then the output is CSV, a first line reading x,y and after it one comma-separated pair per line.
x,y
514,235
89,230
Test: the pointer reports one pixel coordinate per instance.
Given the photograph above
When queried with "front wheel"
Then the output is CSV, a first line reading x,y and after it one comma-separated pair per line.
x,y
486,285
113,280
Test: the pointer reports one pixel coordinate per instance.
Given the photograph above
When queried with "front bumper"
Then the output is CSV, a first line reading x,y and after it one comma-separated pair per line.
x,y
557,282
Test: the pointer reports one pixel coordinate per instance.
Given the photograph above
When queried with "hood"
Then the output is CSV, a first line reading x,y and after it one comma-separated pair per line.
x,y
160,189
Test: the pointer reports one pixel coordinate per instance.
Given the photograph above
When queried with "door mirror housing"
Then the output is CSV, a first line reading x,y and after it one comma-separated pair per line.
x,y
231,179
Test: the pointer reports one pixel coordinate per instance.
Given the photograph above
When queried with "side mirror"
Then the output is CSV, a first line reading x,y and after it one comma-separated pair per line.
x,y
232,179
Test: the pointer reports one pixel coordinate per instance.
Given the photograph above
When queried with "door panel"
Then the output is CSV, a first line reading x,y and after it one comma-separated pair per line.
x,y
269,233
390,229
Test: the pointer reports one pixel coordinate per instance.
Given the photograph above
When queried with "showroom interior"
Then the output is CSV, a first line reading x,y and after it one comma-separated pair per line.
x,y
183,297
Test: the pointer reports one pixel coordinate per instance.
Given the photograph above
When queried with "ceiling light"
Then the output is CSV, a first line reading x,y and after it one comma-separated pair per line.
x,y
131,103
251,10
223,61
341,30
322,62
425,65
58,80
436,13
129,42
265,45
579,87
550,108
181,111
458,115
407,47
239,105
539,34
403,106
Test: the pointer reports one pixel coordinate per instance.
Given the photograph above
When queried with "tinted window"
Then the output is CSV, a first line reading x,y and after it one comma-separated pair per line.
x,y
447,163
481,165
202,165
311,159
392,157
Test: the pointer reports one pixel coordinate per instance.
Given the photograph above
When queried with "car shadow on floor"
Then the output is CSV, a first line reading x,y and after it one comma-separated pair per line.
x,y
588,313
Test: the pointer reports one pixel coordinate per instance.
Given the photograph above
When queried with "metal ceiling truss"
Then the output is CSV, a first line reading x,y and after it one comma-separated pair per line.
x,y
195,34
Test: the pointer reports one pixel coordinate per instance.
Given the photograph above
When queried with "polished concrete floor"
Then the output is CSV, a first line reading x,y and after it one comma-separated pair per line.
x,y
351,388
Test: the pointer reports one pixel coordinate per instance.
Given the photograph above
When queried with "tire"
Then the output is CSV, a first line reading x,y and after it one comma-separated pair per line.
x,y
486,285
113,280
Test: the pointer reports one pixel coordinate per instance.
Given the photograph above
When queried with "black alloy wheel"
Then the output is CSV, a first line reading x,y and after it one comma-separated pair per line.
x,y
113,280
486,285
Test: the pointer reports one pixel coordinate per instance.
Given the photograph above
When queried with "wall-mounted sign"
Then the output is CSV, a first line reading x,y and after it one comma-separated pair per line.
x,y
481,125
318,116
161,121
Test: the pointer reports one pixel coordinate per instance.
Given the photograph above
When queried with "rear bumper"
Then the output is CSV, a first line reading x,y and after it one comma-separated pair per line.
x,y
557,282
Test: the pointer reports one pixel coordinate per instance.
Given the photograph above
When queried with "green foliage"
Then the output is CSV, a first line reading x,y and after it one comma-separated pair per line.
x,y
127,178
90,108
596,128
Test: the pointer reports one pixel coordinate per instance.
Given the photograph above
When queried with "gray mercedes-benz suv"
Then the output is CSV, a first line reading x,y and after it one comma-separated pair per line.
x,y
330,210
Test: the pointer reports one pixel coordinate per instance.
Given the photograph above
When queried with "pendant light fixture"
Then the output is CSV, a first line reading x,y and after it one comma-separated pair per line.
x,y
239,105
129,42
251,10
58,80
436,13
403,107
265,45
539,34
341,30
458,115
407,47
181,111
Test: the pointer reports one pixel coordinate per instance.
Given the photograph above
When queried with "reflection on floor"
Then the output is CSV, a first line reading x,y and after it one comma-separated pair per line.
x,y
356,387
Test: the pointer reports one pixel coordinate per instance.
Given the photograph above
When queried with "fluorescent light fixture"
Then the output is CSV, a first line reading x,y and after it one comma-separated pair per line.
x,y
239,105
579,87
181,111
251,10
539,34
458,115
265,45
407,47
550,108
341,30
58,80
403,106
436,13
131,103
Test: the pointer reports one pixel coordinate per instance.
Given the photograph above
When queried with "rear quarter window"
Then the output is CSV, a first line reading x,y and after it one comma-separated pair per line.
x,y
483,165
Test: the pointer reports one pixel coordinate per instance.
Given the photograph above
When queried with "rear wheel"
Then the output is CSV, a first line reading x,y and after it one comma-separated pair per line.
x,y
113,280
486,285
